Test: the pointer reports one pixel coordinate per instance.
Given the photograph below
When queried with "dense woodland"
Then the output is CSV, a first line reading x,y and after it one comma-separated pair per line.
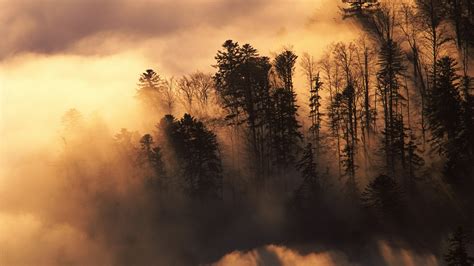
x,y
378,144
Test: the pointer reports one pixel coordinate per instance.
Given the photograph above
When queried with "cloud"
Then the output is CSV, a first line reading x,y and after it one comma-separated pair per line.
x,y
51,26
278,255
108,26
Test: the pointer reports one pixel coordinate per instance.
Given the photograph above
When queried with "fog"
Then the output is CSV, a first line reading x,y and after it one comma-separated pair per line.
x,y
69,195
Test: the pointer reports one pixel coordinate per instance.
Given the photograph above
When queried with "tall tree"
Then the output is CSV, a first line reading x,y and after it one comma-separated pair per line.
x,y
284,124
196,88
150,87
384,196
445,115
456,254
168,95
432,14
243,86
389,77
311,184
150,157
315,112
197,155
345,102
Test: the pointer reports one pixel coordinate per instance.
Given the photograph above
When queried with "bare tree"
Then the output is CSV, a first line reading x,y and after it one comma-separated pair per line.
x,y
169,95
196,87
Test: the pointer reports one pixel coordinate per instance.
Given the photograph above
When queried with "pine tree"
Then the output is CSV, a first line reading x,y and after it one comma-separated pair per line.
x,y
284,125
244,89
445,115
456,254
467,134
150,157
314,112
311,185
413,162
383,195
150,87
389,75
197,155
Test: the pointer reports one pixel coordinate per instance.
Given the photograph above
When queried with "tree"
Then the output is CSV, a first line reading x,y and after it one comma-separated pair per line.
x,y
413,162
445,115
284,125
126,143
285,68
357,6
169,95
364,66
468,118
150,157
389,77
72,120
332,80
311,184
187,91
345,112
412,29
196,87
197,155
315,113
342,117
243,87
461,14
432,13
456,254
383,195
309,67
150,87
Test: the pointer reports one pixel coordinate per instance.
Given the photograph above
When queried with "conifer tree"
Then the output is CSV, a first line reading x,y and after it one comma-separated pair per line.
x,y
445,115
311,185
243,86
284,124
456,254
150,156
197,155
383,195
389,77
314,112
150,87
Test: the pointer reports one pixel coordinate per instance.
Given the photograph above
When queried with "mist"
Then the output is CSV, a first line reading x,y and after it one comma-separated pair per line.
x,y
78,185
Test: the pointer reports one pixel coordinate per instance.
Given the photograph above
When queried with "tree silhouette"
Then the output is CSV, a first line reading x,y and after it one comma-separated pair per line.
x,y
284,125
314,112
389,77
456,254
196,88
151,157
383,195
150,87
311,186
445,115
243,87
197,154
344,113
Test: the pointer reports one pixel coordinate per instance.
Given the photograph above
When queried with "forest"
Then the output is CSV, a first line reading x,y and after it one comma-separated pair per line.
x,y
376,147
